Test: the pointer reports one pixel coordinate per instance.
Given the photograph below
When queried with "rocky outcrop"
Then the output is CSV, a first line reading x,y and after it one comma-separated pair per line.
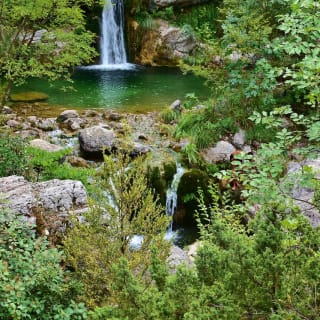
x,y
54,197
220,152
164,44
94,139
174,3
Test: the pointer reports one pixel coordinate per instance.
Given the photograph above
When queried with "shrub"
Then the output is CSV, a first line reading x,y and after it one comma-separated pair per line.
x,y
32,283
14,158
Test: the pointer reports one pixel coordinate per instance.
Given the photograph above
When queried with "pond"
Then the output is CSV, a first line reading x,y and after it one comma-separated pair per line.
x,y
136,89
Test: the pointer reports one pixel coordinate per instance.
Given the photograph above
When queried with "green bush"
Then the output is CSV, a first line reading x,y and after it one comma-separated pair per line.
x,y
14,158
32,283
51,165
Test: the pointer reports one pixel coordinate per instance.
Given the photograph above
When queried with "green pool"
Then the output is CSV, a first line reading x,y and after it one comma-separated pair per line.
x,y
140,89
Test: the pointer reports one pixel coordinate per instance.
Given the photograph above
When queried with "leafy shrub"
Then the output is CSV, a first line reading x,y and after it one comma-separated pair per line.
x,y
32,283
13,155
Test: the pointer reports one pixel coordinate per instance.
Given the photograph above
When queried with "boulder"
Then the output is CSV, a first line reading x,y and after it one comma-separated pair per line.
x,y
177,257
6,110
303,196
75,123
139,149
221,152
95,139
61,195
13,123
67,114
176,105
17,194
45,145
239,139
46,124
77,162
54,198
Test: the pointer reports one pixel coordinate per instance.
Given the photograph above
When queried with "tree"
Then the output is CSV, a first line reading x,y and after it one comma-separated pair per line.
x,y
32,283
40,38
124,210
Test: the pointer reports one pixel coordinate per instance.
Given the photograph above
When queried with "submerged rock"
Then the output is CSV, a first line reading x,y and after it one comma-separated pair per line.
x,y
29,96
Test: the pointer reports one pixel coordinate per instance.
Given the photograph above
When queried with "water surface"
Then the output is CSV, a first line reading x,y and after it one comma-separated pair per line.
x,y
139,89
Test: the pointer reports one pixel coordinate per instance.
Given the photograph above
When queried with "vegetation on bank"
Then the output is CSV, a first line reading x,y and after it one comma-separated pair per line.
x,y
261,60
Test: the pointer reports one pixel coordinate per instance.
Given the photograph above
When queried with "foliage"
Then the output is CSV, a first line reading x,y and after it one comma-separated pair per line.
x,y
123,210
32,283
50,165
169,115
14,159
42,39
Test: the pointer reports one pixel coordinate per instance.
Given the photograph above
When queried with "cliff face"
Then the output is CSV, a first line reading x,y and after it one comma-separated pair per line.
x,y
160,45
174,3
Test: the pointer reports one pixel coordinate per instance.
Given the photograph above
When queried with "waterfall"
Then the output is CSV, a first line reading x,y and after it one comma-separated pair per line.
x,y
112,39
172,196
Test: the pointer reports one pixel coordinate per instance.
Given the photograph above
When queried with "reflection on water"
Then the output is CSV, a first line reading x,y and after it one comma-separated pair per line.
x,y
138,89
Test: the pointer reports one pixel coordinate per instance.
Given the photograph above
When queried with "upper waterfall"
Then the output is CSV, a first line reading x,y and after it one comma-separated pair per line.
x,y
112,36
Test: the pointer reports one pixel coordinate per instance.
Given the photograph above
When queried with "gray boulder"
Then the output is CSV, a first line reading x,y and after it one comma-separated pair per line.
x,y
303,196
45,145
95,139
17,194
221,152
176,105
177,257
67,114
46,124
239,139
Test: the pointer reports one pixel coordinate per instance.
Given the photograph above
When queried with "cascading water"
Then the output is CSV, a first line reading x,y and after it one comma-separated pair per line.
x,y
172,197
112,38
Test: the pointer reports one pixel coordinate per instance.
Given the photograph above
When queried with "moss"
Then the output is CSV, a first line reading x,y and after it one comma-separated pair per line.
x,y
29,96
158,183
170,169
190,182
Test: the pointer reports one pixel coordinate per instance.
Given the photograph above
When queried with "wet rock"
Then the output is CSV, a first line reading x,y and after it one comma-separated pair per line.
x,y
67,114
45,145
32,133
95,139
46,124
32,119
221,152
239,139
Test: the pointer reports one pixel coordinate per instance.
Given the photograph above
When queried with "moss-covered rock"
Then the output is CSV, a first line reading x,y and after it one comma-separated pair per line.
x,y
188,188
170,169
29,96
158,183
